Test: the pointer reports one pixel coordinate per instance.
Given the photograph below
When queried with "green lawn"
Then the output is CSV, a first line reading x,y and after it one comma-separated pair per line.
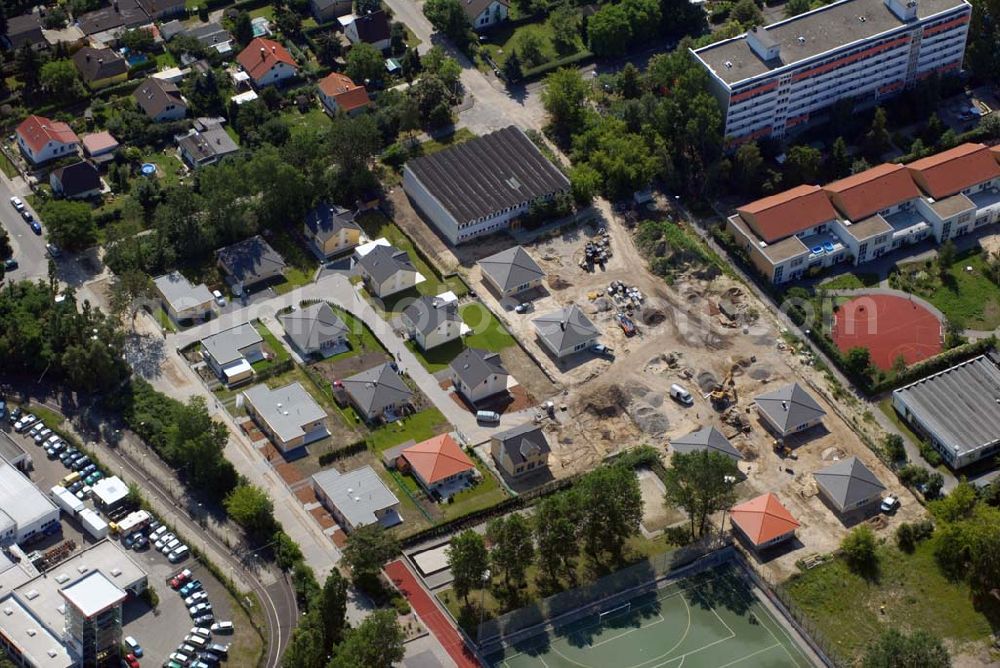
x,y
164,320
165,61
434,145
969,297
302,264
487,333
51,418
851,282
419,427
504,40
168,168
298,122
272,342
7,167
487,493
266,11
846,608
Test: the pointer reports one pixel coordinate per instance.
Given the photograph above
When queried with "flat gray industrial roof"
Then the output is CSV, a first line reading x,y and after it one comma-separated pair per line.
x,y
958,404
488,174
823,30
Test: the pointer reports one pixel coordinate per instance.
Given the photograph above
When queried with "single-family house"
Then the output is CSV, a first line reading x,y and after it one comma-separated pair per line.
x,y
325,11
80,180
484,14
357,498
565,331
121,14
100,147
249,263
378,393
267,62
100,68
212,36
339,94
206,143
705,439
25,29
158,10
849,485
371,28
511,271
482,186
788,410
478,374
763,521
315,330
41,139
232,352
288,415
439,465
520,450
385,269
331,230
432,321
182,300
160,100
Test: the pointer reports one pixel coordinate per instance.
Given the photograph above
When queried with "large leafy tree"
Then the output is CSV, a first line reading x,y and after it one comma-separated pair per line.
x,y
565,100
701,483
367,549
556,519
71,224
376,643
511,549
611,509
364,63
251,508
468,561
448,17
332,608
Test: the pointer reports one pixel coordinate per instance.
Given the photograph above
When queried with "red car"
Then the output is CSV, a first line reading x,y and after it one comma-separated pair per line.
x,y
180,579
132,661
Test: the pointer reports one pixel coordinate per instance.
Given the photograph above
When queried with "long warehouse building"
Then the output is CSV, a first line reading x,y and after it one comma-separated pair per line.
x,y
776,77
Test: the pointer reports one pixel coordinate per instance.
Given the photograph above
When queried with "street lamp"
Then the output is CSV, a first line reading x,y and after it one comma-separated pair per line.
x,y
482,606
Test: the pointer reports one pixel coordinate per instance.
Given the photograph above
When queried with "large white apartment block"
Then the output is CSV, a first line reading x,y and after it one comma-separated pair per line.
x,y
866,215
776,77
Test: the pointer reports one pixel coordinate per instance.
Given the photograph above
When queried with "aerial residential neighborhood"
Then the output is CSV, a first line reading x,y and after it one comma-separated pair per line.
x,y
500,334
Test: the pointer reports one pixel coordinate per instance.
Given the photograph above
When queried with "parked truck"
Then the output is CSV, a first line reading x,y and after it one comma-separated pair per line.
x,y
93,523
66,500
131,523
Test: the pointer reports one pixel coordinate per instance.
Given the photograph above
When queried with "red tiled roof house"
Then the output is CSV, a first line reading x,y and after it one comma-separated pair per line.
x,y
763,521
339,93
439,465
42,139
267,62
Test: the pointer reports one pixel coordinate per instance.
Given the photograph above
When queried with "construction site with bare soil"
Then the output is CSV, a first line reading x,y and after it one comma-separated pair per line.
x,y
705,332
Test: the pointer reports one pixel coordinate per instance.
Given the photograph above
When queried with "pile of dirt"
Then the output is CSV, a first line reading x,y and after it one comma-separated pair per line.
x,y
602,304
707,381
648,419
832,454
652,316
608,402
760,373
558,283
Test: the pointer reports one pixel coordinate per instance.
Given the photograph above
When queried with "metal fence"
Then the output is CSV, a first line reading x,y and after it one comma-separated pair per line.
x,y
626,584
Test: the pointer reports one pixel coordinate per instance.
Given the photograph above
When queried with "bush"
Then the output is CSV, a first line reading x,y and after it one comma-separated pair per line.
x,y
932,456
908,535
913,475
150,597
859,550
893,444
340,453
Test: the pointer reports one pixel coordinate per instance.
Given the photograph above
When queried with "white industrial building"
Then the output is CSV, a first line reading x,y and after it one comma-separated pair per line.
x,y
774,78
25,511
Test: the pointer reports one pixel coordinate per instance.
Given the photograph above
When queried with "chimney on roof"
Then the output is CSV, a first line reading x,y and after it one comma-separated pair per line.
x,y
263,53
784,405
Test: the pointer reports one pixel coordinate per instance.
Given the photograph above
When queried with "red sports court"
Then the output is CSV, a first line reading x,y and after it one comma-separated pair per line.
x,y
888,326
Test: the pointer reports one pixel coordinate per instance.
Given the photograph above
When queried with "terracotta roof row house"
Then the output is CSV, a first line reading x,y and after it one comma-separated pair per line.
x,y
267,62
479,186
764,521
866,215
339,94
440,465
160,100
41,139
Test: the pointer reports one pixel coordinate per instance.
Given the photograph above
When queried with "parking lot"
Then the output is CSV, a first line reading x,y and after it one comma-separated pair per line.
x,y
158,630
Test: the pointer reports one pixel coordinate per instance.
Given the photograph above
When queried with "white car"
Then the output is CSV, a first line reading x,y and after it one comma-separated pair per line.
x,y
204,633
889,504
170,547
17,203
42,435
222,627
179,658
163,540
199,609
195,598
24,423
219,299
159,531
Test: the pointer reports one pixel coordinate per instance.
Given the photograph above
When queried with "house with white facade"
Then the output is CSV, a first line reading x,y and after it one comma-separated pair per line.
x,y
267,62
41,139
483,14
478,374
432,321
385,269
232,352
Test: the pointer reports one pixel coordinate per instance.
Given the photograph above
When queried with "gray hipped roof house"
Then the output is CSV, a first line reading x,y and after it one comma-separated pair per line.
x,y
565,331
511,271
788,410
357,498
474,366
315,329
523,443
849,484
376,391
706,438
250,261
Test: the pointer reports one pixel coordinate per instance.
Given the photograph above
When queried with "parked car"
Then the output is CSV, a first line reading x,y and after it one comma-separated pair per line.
x,y
35,428
51,440
179,658
82,463
153,526
179,554
131,661
10,264
15,415
133,646
64,457
53,250
84,492
17,203
53,450
222,627
180,579
195,598
42,435
163,540
201,631
200,609
523,307
221,650
190,587
36,227
94,477
76,486
205,619
889,504
208,658
219,299
170,547
185,648
25,423
156,533
88,469
680,395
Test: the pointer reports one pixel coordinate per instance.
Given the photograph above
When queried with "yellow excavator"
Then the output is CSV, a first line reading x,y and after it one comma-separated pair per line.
x,y
724,394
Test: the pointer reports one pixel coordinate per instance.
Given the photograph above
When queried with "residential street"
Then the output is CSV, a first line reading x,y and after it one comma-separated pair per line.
x,y
29,248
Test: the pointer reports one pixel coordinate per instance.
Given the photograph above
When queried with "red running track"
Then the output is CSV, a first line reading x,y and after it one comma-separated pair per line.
x,y
888,326
432,617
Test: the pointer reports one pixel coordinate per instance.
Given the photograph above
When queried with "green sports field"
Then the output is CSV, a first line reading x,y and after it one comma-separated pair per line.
x,y
710,620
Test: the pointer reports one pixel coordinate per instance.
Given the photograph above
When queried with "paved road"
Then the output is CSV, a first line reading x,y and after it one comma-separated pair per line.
x,y
29,248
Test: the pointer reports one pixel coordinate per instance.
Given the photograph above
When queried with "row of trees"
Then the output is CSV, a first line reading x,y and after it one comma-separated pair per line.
x,y
596,517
